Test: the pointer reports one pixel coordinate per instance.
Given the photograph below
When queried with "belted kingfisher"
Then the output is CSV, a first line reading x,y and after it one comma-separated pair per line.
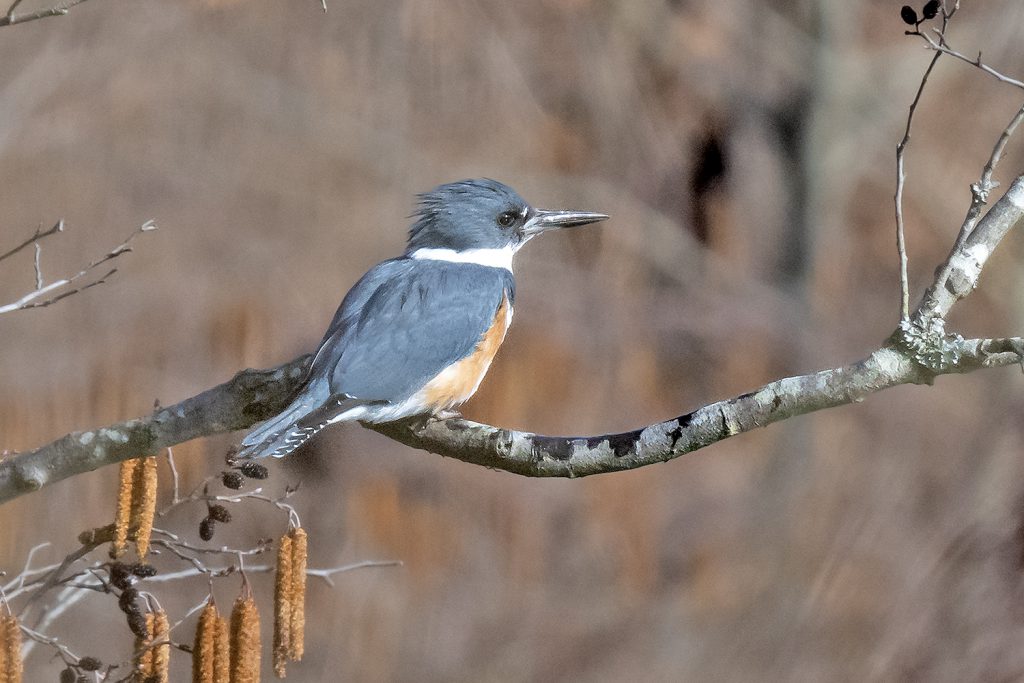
x,y
416,333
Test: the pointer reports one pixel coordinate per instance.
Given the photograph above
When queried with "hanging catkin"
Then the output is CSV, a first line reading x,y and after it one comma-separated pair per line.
x,y
159,670
222,653
143,504
123,512
283,586
245,639
143,651
136,506
11,664
204,647
297,630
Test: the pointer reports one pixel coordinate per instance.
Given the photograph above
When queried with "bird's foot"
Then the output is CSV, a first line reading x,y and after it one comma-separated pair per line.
x,y
446,414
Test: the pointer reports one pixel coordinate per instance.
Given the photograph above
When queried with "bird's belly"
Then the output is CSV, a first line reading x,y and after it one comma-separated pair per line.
x,y
456,383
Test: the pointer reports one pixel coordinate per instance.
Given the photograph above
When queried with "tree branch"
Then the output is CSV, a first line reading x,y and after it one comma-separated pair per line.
x,y
10,19
901,179
38,236
45,295
958,275
918,351
915,354
250,396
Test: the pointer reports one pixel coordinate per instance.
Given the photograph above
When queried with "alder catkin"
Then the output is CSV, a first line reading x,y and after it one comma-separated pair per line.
x,y
10,646
204,647
297,629
123,512
283,585
159,670
222,652
143,504
245,640
3,650
144,664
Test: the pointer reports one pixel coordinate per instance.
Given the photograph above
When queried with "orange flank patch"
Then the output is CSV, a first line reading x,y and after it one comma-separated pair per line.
x,y
459,381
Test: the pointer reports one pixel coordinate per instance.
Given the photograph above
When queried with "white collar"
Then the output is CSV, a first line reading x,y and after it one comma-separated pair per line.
x,y
494,258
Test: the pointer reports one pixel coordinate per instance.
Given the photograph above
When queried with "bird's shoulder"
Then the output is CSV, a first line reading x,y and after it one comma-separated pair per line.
x,y
429,278
405,321
419,288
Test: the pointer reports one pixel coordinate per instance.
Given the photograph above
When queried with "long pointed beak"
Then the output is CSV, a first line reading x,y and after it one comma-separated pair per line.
x,y
543,220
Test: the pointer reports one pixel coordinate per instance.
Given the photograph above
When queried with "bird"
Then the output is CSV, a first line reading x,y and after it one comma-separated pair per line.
x,y
416,334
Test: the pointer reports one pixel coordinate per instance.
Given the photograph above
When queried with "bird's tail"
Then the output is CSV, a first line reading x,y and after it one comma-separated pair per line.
x,y
300,422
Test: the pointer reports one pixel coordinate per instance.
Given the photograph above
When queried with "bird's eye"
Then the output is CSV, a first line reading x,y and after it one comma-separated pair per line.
x,y
506,219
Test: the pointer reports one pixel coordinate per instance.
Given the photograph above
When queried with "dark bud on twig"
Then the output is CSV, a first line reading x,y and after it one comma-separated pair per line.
x,y
254,470
120,575
233,480
143,571
908,15
930,9
137,623
219,513
89,664
206,528
127,600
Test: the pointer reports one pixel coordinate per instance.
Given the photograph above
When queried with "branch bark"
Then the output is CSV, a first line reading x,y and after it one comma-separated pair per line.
x,y
916,353
250,396
48,294
10,19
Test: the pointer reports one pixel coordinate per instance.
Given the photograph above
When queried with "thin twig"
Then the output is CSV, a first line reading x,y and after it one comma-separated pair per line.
x,y
10,19
941,46
39,268
901,242
325,574
36,237
54,578
175,499
179,547
981,190
19,581
257,494
35,298
65,652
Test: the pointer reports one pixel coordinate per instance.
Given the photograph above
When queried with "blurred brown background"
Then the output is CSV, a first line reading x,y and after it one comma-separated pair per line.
x,y
745,151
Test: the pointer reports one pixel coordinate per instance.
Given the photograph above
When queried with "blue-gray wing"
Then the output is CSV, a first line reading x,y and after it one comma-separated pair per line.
x,y
404,322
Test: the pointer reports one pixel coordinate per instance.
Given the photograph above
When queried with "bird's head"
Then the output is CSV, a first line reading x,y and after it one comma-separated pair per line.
x,y
483,214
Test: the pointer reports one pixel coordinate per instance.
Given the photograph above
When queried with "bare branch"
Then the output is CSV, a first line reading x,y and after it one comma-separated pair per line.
x,y
901,149
63,650
175,480
46,295
941,46
249,397
913,355
959,273
37,237
917,352
39,268
326,574
10,19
